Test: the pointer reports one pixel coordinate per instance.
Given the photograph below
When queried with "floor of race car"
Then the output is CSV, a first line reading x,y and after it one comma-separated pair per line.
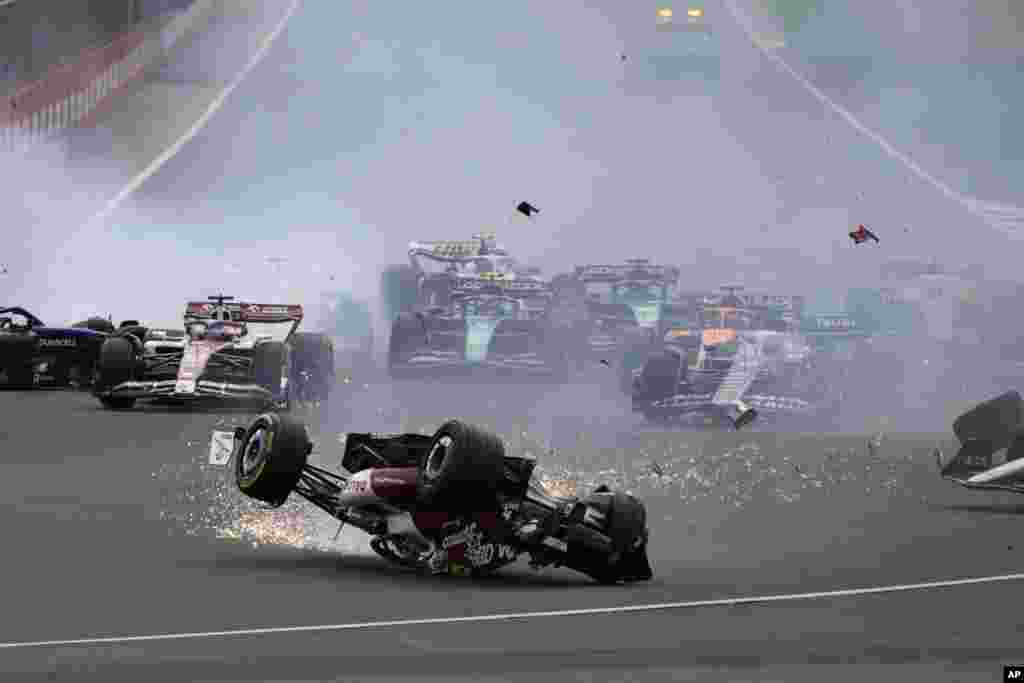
x,y
116,524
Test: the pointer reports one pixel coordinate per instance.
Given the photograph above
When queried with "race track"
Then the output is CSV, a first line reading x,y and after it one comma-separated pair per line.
x,y
115,524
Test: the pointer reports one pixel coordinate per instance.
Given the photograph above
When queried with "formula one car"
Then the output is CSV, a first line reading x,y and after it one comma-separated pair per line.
x,y
239,351
453,502
744,360
33,353
623,302
467,307
984,432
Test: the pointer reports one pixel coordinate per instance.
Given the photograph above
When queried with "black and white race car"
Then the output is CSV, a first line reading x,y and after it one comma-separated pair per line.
x,y
454,502
233,351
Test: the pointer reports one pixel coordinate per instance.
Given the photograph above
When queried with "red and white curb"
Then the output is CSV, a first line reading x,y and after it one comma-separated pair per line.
x,y
70,94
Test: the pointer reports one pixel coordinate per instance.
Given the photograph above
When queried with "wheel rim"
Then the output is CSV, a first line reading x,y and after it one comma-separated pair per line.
x,y
436,458
254,453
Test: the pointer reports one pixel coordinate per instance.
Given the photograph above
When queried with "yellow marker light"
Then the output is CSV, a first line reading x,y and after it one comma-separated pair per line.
x,y
694,12
678,333
665,13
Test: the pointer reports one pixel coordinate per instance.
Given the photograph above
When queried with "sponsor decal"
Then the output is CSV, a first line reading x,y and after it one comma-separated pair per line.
x,y
556,544
506,553
222,444
357,486
836,323
59,342
714,337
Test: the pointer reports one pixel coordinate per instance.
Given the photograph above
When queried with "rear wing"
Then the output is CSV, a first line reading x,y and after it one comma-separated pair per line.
x,y
456,250
246,313
833,325
637,269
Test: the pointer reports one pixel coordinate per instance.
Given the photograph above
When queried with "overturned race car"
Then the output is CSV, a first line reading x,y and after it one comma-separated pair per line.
x,y
452,503
233,351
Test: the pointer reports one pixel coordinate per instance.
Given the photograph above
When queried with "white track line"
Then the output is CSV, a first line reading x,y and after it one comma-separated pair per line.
x,y
512,616
213,108
1009,224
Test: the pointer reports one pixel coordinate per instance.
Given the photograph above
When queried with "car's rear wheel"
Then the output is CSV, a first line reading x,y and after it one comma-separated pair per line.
x,y
271,458
462,469
270,361
116,365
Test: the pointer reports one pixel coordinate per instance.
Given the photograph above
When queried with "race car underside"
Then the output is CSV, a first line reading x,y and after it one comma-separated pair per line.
x,y
389,528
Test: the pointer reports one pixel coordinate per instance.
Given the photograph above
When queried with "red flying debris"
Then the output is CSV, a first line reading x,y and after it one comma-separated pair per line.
x,y
862,234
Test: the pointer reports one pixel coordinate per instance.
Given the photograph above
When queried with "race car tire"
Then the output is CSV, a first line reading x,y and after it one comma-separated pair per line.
x,y
96,324
313,354
406,332
116,364
137,333
462,469
399,290
271,458
17,352
269,366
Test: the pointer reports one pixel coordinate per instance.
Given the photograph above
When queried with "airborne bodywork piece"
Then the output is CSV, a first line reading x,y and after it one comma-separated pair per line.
x,y
745,359
234,351
474,308
452,503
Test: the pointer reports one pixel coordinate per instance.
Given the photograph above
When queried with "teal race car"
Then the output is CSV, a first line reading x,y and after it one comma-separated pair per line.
x,y
470,309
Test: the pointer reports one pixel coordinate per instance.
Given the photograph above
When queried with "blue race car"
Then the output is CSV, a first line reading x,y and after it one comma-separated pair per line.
x,y
33,353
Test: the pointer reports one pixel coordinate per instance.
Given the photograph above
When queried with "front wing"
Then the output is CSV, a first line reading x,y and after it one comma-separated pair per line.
x,y
203,389
431,363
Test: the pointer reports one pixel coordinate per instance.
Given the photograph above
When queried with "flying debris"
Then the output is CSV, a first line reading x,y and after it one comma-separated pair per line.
x,y
862,234
527,209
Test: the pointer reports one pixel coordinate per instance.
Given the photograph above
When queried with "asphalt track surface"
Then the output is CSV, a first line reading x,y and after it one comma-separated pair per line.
x,y
115,525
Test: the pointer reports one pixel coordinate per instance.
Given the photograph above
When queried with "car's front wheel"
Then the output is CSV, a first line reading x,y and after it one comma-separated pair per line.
x,y
271,457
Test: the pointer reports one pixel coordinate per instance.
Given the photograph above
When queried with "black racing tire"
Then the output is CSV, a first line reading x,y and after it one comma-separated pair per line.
x,y
17,352
269,367
271,458
406,332
96,324
462,469
117,363
399,290
135,332
312,355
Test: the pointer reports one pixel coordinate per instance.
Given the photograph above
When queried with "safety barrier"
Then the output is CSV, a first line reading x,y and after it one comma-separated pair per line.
x,y
71,94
